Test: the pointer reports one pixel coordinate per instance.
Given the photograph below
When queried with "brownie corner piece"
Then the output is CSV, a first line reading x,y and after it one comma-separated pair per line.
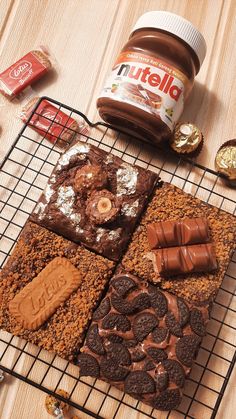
x,y
171,203
39,252
94,198
143,340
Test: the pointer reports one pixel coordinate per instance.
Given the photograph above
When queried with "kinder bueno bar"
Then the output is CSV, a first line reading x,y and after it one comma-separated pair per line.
x,y
51,122
24,73
177,233
184,259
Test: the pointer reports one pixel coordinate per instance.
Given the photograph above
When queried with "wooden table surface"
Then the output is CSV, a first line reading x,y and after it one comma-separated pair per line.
x,y
85,37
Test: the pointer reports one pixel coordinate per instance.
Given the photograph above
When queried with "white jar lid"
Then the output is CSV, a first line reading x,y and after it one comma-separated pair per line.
x,y
177,26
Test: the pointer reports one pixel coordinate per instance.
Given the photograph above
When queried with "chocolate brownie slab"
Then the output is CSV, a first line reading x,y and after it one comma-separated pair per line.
x,y
94,198
171,203
36,252
144,341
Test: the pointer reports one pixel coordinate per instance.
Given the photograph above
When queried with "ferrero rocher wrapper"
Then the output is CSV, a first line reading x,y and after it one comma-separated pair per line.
x,y
225,160
186,138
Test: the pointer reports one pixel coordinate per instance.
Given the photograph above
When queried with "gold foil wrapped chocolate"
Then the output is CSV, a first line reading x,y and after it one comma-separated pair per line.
x,y
225,160
186,138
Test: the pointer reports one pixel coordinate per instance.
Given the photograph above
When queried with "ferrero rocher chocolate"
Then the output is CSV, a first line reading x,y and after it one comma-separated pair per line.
x,y
186,138
225,160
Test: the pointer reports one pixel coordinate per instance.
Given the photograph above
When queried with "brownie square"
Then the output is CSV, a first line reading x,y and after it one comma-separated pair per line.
x,y
94,198
144,341
171,203
63,332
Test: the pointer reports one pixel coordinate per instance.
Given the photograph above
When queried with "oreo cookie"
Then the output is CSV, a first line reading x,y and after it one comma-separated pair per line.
x,y
122,306
111,371
172,324
116,321
162,381
157,354
114,338
102,310
123,284
197,322
88,365
167,400
141,302
149,365
143,324
137,354
139,382
94,340
186,349
118,354
183,312
130,343
175,371
158,300
159,334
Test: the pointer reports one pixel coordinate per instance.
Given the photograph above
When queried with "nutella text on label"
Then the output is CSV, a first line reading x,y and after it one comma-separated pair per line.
x,y
149,84
38,300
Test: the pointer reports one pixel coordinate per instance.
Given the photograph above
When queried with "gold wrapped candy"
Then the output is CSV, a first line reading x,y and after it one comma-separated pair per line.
x,y
225,160
56,407
186,138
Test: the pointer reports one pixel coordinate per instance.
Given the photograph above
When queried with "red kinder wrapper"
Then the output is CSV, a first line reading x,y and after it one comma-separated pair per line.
x,y
24,72
51,122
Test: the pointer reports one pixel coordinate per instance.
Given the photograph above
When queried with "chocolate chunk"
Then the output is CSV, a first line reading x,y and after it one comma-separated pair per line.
x,y
116,321
94,341
102,207
158,301
114,338
122,306
139,382
167,400
172,324
111,371
157,354
159,334
137,354
149,365
123,284
102,310
197,322
88,365
175,371
183,312
141,302
89,177
118,354
143,324
162,381
186,349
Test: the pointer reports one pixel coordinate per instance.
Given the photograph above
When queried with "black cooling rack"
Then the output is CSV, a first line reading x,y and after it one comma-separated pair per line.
x,y
23,175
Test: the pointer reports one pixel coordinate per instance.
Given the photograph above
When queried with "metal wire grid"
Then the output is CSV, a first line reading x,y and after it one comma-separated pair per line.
x,y
24,173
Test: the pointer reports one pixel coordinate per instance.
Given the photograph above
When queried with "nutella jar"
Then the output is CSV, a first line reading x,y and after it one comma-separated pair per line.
x,y
153,76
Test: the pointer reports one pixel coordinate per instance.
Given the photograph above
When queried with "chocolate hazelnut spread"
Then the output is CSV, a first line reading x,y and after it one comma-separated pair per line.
x,y
152,76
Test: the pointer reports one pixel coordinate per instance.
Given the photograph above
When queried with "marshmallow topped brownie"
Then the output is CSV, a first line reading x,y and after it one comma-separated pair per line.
x,y
171,203
49,288
94,198
143,340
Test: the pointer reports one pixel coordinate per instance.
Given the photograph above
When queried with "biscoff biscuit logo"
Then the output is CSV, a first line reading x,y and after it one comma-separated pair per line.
x,y
20,69
51,116
39,299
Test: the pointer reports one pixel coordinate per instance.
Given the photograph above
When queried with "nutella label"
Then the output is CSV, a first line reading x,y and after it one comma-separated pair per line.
x,y
149,84
21,74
